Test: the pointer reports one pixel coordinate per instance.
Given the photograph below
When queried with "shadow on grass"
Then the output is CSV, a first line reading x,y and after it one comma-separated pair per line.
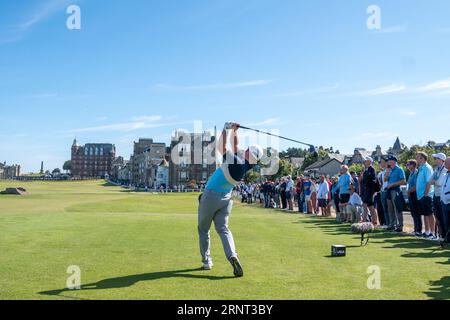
x,y
440,289
128,281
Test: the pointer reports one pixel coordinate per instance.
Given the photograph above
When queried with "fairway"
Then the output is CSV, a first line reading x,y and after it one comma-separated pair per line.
x,y
144,246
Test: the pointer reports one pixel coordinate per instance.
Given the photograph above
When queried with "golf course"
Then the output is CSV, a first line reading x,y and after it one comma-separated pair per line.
x,y
145,246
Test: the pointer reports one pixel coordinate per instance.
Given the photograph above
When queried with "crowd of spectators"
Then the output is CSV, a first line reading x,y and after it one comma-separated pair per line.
x,y
368,196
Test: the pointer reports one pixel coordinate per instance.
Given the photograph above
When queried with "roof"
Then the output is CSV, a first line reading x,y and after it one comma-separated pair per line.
x,y
297,162
337,156
398,145
322,163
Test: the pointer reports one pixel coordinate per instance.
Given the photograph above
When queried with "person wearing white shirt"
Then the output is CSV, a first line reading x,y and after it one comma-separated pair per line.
x,y
438,182
322,195
445,198
290,193
353,208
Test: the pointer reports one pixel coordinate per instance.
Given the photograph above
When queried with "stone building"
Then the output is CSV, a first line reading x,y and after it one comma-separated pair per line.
x,y
117,165
192,159
9,172
161,175
147,157
124,174
93,160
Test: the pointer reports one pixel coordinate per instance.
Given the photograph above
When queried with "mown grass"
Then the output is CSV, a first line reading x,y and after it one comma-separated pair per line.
x,y
144,246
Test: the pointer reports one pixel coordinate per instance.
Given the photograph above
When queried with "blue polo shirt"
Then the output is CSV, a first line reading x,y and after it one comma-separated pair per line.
x,y
397,175
424,176
307,188
344,183
229,174
412,180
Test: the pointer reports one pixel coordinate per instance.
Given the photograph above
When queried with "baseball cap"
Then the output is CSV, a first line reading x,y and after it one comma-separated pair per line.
x,y
392,158
440,156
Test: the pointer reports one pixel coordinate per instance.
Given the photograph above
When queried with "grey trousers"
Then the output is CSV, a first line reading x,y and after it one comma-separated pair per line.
x,y
395,215
215,207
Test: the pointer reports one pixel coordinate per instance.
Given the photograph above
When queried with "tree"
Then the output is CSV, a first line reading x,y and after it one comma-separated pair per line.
x,y
313,158
285,169
56,171
67,166
294,153
252,176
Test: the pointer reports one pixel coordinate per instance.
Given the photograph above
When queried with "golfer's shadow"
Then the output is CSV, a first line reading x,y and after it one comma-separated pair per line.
x,y
128,281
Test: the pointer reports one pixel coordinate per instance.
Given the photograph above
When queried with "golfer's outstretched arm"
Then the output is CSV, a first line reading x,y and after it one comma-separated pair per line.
x,y
222,144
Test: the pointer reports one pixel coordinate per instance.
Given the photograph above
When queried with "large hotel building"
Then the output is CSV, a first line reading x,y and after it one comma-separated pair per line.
x,y
93,160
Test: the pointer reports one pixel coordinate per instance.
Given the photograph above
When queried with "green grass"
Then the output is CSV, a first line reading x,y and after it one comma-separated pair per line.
x,y
144,246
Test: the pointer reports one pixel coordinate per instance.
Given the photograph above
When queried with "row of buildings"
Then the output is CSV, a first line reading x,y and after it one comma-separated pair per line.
x,y
153,165
186,161
8,172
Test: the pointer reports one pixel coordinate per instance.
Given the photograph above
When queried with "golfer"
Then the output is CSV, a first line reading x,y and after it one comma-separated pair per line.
x,y
216,202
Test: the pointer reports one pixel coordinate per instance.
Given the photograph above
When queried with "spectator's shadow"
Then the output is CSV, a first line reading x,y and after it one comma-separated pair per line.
x,y
440,290
128,281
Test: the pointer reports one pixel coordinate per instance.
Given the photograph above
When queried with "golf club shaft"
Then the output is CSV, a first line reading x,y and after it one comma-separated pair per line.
x,y
277,136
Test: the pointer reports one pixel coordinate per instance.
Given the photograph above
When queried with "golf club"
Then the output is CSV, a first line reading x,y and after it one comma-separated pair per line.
x,y
312,148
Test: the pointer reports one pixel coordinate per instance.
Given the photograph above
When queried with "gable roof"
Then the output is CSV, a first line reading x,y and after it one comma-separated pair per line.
x,y
322,163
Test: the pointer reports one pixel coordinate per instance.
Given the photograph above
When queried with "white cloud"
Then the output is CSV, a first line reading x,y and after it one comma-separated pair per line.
x,y
136,123
267,122
393,88
435,86
17,32
43,12
217,86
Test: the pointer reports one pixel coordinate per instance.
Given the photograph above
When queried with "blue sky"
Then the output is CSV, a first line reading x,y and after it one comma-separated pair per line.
x,y
311,69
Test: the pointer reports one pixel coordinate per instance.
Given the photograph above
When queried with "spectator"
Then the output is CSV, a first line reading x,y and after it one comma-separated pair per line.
x,y
322,195
345,180
265,193
289,193
355,182
283,193
276,194
425,192
438,182
395,176
328,208
335,195
353,208
383,192
369,179
412,196
314,203
445,197
307,190
300,194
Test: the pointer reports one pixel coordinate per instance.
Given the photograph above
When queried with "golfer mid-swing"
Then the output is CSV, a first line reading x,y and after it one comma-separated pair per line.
x,y
216,202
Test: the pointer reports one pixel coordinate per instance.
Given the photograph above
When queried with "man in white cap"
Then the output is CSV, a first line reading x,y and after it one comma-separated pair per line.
x,y
369,179
445,197
216,202
438,181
